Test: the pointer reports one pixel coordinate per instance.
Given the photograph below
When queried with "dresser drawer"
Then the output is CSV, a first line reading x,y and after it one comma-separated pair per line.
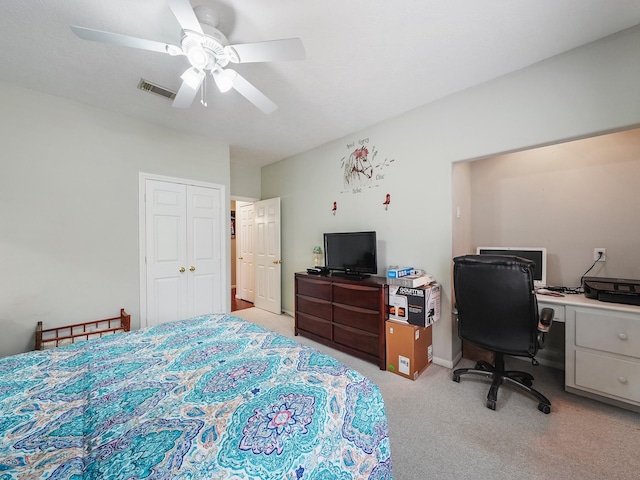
x,y
356,295
608,375
313,325
314,288
356,317
351,337
614,332
314,306
343,313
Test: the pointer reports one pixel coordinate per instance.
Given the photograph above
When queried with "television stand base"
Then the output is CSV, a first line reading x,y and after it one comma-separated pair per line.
x,y
351,275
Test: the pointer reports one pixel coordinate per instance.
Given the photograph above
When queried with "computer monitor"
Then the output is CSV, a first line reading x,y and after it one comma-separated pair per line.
x,y
536,254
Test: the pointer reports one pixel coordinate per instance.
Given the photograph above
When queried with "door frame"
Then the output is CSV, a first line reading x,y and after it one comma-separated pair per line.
x,y
241,280
225,273
238,233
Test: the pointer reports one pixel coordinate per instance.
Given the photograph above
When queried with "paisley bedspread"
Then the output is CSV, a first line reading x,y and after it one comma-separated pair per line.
x,y
211,397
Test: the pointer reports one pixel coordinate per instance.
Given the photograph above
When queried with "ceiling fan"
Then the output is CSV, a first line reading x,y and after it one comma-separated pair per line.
x,y
208,52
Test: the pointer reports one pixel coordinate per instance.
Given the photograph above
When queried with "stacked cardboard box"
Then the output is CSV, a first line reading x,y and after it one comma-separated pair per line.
x,y
412,281
409,348
418,306
399,272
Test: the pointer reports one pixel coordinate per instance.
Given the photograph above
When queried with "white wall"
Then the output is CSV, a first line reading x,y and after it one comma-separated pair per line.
x,y
569,198
245,181
588,90
69,208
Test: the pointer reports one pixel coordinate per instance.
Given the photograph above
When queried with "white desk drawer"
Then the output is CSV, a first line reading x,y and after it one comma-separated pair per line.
x,y
608,375
614,332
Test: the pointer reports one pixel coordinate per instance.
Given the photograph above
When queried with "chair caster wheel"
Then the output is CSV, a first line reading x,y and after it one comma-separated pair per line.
x,y
491,404
456,378
544,408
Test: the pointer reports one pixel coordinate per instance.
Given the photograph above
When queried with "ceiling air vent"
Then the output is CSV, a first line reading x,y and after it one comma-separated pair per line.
x,y
147,86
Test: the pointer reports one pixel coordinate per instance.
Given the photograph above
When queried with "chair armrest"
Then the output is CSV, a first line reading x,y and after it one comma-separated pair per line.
x,y
545,319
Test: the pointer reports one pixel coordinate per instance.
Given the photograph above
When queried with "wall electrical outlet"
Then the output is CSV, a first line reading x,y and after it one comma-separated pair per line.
x,y
597,252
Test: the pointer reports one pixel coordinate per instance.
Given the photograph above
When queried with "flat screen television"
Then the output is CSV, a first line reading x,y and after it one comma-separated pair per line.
x,y
536,254
351,253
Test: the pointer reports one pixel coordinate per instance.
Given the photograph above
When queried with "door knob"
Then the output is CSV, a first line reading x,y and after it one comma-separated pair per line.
x,y
182,270
277,262
192,268
239,258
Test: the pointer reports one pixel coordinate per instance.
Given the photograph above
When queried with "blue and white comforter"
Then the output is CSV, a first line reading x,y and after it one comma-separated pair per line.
x,y
211,397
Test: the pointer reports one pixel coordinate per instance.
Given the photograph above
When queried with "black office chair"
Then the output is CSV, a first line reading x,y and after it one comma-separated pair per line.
x,y
498,311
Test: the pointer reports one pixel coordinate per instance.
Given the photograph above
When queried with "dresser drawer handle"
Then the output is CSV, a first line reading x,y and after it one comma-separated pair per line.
x,y
622,379
622,336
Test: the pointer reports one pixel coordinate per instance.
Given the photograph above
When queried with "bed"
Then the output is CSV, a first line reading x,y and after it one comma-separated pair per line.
x,y
211,397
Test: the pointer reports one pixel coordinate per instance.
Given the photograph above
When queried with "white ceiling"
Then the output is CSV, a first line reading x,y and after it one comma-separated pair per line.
x,y
367,60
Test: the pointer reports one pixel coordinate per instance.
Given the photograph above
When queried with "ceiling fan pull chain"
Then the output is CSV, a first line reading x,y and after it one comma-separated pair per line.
x,y
203,91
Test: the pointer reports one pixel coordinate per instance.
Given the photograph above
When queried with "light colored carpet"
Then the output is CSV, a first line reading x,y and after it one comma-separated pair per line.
x,y
440,429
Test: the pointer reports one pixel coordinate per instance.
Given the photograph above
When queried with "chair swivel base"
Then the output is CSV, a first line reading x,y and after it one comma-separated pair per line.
x,y
522,380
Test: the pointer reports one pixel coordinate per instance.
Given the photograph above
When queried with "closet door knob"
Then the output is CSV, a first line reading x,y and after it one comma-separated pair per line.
x,y
192,268
182,270
622,336
622,379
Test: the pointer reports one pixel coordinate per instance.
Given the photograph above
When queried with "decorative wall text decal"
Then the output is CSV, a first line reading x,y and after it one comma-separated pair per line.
x,y
362,168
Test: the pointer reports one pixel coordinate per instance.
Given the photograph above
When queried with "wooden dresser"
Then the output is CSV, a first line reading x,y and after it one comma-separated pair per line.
x,y
343,313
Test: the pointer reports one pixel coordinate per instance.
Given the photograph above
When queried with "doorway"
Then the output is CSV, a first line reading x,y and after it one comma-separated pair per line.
x,y
238,303
256,255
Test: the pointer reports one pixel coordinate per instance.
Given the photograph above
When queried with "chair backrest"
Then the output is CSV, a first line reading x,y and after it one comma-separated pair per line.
x,y
496,303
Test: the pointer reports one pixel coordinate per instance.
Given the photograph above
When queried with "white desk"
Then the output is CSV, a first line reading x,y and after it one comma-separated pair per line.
x,y
601,348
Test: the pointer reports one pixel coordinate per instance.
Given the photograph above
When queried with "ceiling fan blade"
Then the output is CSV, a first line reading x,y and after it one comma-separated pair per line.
x,y
122,40
269,51
185,15
251,93
187,92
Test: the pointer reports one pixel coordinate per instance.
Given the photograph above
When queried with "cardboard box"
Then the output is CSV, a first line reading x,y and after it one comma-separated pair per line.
x,y
409,348
412,281
399,272
418,306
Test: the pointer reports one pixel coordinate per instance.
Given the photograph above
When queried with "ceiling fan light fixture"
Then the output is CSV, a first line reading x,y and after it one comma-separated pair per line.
x,y
208,51
198,58
192,77
224,79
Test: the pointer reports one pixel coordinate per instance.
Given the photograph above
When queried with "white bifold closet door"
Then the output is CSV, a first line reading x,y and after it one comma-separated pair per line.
x,y
184,251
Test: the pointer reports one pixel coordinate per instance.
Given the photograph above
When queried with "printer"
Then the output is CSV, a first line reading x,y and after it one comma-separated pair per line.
x,y
615,290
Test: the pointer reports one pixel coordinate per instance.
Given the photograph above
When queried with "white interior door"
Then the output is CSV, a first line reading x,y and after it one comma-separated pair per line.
x,y
204,252
268,289
166,239
183,250
245,271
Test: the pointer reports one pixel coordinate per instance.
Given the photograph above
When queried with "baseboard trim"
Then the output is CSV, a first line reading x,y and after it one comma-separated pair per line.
x,y
600,398
447,363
